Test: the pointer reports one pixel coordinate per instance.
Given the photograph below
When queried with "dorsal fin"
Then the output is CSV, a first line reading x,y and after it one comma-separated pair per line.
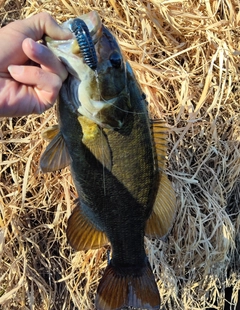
x,y
164,208
96,141
160,133
56,155
82,234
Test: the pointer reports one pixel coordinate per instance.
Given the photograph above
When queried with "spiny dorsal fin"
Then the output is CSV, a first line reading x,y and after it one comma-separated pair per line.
x,y
96,141
164,209
160,133
56,155
82,234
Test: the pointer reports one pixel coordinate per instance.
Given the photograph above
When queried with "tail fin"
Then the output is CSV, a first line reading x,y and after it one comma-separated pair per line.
x,y
120,289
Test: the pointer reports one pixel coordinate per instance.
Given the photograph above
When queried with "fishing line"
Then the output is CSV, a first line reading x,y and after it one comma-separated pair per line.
x,y
102,138
127,111
124,90
103,163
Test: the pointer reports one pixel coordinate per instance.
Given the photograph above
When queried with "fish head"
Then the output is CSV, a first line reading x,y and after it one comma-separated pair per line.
x,y
109,91
101,94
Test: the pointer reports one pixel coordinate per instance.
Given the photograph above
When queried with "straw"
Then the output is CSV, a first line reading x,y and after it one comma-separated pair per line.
x,y
185,55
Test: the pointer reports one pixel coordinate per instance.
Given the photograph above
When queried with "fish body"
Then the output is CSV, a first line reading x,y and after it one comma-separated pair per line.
x,y
106,136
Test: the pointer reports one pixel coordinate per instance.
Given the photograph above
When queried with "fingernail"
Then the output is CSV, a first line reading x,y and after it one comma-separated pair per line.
x,y
36,47
15,70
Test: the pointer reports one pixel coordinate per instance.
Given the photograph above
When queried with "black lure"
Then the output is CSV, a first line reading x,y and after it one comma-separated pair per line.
x,y
85,43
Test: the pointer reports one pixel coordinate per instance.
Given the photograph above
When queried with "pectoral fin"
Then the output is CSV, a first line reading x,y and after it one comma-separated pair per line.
x,y
81,233
96,141
56,155
51,132
164,210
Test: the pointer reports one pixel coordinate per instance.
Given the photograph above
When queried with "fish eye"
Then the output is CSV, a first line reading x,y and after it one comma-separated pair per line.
x,y
116,59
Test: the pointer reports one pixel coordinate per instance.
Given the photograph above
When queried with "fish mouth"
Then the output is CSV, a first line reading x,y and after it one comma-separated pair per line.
x,y
68,51
92,21
98,92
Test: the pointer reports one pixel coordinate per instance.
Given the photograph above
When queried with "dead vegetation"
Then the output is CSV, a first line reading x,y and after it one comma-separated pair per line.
x,y
186,55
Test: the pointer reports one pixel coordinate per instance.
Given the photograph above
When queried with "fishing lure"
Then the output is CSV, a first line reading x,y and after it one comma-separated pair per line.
x,y
85,43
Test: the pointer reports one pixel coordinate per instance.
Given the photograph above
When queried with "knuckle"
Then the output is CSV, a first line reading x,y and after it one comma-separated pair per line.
x,y
45,16
46,20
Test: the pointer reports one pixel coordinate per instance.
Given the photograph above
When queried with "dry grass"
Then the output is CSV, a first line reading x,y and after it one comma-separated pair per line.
x,y
186,56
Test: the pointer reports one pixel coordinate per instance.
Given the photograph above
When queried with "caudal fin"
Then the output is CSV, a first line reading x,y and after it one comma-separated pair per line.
x,y
119,289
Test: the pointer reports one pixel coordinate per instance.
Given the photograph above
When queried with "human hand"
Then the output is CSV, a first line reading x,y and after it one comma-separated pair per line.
x,y
26,88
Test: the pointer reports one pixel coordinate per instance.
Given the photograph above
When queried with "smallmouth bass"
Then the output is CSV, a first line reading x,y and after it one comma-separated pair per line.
x,y
117,160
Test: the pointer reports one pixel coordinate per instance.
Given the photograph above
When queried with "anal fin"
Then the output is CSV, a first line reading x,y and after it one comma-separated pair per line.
x,y
82,234
135,289
164,210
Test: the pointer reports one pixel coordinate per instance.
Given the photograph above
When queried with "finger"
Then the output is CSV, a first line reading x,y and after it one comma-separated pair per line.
x,y
33,27
45,84
43,56
20,99
44,23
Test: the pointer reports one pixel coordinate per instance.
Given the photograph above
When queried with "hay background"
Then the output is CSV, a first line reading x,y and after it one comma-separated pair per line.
x,y
186,55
